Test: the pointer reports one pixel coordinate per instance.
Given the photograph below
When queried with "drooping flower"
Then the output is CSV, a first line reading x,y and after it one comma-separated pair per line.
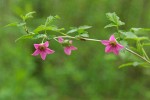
x,y
68,47
42,49
112,45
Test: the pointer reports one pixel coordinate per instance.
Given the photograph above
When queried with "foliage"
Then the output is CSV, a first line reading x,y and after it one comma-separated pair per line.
x,y
76,77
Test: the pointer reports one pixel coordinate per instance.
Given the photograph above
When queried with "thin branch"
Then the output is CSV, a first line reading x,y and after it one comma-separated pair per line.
x,y
137,55
88,39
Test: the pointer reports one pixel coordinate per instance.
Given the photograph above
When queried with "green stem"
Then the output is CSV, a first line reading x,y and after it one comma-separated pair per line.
x,y
145,53
43,40
137,55
88,39
26,29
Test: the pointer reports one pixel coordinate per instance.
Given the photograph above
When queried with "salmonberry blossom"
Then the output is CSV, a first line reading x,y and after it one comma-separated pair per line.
x,y
67,45
112,45
42,49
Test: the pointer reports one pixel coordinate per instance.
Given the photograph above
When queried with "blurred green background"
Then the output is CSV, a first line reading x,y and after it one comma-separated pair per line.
x,y
89,73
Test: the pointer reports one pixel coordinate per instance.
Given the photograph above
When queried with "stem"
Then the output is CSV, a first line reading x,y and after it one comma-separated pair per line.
x,y
26,29
43,40
77,38
64,34
145,53
88,39
137,55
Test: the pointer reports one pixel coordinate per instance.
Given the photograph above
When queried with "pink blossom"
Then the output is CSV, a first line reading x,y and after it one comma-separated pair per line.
x,y
68,46
112,45
42,49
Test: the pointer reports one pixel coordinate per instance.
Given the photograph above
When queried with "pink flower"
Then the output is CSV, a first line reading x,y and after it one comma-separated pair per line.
x,y
68,45
42,49
112,45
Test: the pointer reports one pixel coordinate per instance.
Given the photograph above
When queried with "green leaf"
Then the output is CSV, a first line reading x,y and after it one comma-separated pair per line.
x,y
129,64
39,28
146,44
84,27
57,29
72,30
80,29
28,15
114,18
143,38
11,24
110,25
124,43
129,35
135,29
37,36
15,24
139,47
51,37
85,35
21,24
28,36
139,29
50,19
44,28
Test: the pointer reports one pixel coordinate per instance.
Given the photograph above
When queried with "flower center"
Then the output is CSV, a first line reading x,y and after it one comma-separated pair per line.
x,y
42,47
113,43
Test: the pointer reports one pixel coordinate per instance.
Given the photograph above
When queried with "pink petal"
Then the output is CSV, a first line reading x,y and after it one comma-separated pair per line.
x,y
105,42
49,51
36,52
115,51
43,55
60,40
46,44
112,38
108,49
119,46
36,46
67,50
73,48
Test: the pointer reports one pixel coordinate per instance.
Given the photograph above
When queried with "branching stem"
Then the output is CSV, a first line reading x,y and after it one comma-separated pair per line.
x,y
96,40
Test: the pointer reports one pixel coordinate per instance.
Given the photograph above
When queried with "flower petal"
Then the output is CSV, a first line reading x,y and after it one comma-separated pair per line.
x,y
112,38
36,46
108,49
60,39
105,42
43,55
119,46
115,51
36,52
46,44
49,51
67,50
73,48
